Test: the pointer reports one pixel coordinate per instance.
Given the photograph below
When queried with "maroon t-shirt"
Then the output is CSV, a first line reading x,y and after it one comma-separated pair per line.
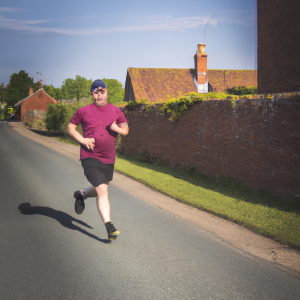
x,y
96,121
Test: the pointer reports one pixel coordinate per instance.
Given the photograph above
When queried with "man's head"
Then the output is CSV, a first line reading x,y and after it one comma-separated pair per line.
x,y
99,92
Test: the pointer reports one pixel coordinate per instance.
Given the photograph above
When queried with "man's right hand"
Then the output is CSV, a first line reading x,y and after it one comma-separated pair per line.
x,y
89,143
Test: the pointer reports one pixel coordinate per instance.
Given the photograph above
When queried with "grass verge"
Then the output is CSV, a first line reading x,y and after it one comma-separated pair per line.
x,y
258,210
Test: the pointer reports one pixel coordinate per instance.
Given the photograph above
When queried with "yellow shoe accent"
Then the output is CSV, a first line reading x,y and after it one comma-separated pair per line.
x,y
114,235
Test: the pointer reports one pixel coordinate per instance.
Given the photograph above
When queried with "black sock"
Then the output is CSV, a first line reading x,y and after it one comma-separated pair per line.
x,y
110,227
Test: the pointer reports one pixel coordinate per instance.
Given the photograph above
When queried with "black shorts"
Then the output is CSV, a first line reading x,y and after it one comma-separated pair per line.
x,y
97,172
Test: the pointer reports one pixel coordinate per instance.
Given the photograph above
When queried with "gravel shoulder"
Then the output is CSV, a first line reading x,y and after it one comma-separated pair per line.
x,y
281,256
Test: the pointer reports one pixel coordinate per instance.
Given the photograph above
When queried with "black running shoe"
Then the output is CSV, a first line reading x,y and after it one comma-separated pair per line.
x,y
79,202
111,231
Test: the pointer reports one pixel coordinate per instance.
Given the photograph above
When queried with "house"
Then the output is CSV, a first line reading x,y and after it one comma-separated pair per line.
x,y
160,84
34,106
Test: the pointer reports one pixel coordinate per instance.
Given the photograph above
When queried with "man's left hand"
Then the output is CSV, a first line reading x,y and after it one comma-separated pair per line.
x,y
114,126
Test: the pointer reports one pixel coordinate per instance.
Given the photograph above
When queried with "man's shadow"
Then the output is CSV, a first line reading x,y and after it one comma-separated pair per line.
x,y
63,218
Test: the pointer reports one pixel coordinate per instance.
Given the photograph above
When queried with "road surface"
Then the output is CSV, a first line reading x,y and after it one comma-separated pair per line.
x,y
49,252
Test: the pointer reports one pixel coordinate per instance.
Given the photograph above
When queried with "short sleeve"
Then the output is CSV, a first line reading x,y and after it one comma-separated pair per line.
x,y
77,118
121,118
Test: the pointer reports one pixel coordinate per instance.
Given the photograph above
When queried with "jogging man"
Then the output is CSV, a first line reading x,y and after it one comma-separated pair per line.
x,y
101,122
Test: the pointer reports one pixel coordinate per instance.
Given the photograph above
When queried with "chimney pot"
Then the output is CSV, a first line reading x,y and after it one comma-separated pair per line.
x,y
201,49
30,91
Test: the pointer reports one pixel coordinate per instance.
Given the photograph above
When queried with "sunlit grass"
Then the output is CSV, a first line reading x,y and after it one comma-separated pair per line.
x,y
273,216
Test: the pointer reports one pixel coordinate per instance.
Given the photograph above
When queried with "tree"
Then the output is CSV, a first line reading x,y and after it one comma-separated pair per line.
x,y
78,87
3,93
18,88
54,92
115,91
49,89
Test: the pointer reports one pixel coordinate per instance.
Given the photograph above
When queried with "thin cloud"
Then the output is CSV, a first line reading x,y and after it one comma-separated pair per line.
x,y
33,22
242,17
19,24
153,24
8,9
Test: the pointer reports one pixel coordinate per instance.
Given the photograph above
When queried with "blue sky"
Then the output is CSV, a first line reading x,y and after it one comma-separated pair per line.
x,y
55,40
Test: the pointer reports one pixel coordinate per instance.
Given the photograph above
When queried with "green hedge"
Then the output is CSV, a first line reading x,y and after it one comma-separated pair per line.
x,y
242,90
58,116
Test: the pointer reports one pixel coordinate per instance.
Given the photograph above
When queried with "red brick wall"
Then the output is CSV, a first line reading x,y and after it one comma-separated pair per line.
x,y
38,102
256,141
278,46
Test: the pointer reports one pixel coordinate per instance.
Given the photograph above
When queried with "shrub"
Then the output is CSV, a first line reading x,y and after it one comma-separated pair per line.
x,y
58,116
38,124
1,112
242,90
178,107
55,117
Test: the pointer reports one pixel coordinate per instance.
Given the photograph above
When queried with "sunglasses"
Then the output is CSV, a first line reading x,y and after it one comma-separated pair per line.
x,y
99,91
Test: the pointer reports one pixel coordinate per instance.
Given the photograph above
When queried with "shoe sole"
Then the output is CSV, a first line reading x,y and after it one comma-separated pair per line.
x,y
79,206
114,235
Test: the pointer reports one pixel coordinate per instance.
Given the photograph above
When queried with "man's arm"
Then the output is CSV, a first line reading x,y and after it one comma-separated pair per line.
x,y
88,142
122,128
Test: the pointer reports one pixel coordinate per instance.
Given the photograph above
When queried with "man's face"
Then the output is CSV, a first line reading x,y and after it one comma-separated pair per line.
x,y
100,96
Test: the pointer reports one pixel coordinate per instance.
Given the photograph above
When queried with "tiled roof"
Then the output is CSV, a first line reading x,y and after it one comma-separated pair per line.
x,y
23,100
158,84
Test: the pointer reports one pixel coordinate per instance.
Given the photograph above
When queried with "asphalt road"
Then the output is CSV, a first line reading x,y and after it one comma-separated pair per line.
x,y
47,251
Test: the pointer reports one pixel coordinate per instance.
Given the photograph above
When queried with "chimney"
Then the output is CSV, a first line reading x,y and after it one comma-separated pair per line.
x,y
201,69
40,84
30,91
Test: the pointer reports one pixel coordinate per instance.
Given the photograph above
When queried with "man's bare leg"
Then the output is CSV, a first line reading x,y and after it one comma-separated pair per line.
x,y
104,209
103,202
